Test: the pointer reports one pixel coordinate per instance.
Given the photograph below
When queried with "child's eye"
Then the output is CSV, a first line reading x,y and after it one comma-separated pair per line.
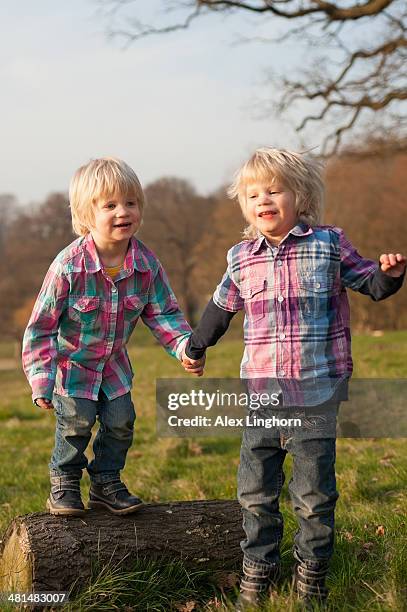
x,y
131,203
110,205
253,195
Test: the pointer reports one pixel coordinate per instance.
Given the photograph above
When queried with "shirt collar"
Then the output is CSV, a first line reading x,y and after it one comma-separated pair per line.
x,y
134,260
301,229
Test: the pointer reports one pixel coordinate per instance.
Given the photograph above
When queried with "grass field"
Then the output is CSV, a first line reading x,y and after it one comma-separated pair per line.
x,y
369,568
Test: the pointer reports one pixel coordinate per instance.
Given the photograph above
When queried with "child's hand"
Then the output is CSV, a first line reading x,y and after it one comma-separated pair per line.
x,y
193,366
393,265
44,403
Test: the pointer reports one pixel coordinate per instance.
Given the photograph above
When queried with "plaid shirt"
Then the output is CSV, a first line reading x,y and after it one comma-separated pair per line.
x,y
297,326
75,341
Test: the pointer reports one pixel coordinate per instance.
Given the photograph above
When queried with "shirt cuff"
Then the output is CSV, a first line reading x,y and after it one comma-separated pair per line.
x,y
42,386
389,281
181,346
192,352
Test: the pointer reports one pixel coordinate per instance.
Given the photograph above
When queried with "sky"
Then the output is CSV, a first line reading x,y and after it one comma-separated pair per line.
x,y
185,104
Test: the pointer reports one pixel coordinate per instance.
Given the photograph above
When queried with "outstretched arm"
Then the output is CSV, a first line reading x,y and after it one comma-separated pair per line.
x,y
388,277
378,280
164,317
220,310
212,326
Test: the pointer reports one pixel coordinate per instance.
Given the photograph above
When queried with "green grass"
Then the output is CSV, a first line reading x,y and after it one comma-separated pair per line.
x,y
369,568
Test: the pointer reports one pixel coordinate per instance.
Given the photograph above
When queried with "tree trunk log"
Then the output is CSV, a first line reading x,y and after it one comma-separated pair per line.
x,y
41,552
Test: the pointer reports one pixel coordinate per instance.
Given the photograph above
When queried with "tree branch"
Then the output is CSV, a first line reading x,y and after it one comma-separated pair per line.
x,y
332,11
350,78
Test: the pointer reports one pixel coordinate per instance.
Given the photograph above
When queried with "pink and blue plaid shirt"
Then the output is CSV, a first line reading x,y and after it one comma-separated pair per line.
x,y
75,341
297,325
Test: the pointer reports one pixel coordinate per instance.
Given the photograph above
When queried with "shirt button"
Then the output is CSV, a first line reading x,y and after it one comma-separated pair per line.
x,y
279,262
317,285
280,298
282,336
281,373
114,290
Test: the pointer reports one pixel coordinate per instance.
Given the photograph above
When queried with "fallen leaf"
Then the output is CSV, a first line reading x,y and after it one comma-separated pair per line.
x,y
364,552
187,607
214,603
389,455
227,580
380,530
348,536
194,448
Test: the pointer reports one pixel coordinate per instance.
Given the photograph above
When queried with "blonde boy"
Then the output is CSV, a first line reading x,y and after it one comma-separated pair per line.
x,y
74,349
290,275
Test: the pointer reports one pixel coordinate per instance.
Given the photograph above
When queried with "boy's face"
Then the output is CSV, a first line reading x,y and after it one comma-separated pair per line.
x,y
116,219
270,206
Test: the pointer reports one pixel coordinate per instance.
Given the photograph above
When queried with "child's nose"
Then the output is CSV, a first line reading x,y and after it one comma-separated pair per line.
x,y
265,198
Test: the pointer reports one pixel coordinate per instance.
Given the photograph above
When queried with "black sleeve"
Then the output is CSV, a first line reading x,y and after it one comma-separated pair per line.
x,y
211,327
380,285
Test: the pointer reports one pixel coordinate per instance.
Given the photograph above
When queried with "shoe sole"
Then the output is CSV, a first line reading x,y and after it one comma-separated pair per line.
x,y
64,511
93,504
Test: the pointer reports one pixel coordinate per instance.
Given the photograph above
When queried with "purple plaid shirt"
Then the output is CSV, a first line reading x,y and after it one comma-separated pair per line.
x,y
75,341
297,326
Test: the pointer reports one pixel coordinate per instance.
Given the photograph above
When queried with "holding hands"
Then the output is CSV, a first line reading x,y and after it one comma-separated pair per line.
x,y
193,366
393,265
44,403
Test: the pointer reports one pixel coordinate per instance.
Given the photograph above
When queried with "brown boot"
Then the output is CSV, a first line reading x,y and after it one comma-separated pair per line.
x,y
255,583
309,582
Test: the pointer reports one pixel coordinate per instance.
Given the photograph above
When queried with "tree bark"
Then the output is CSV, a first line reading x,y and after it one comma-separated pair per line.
x,y
43,553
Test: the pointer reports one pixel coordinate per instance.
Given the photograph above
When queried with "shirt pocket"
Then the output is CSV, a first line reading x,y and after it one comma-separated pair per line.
x,y
84,310
315,292
253,292
133,306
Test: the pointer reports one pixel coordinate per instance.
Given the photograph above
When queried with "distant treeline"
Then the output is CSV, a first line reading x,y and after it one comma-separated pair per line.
x,y
366,196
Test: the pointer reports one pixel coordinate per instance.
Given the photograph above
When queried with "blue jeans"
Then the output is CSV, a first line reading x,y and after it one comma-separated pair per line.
x,y
312,487
75,417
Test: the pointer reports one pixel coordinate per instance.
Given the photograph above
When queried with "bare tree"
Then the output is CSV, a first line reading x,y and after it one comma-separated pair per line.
x,y
33,239
175,220
351,54
9,209
366,196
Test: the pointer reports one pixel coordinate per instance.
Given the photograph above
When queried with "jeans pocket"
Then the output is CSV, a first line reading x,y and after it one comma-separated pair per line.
x,y
321,422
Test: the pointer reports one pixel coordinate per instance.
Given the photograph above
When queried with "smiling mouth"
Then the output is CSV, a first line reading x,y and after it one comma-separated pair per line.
x,y
122,225
267,213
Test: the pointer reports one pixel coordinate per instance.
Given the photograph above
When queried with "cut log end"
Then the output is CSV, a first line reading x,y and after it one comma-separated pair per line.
x,y
16,569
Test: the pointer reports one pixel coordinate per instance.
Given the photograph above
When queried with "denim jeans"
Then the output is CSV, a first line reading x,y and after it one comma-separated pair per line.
x,y
312,487
75,417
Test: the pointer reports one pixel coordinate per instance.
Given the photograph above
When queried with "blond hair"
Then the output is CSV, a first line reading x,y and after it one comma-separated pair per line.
x,y
106,177
301,173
